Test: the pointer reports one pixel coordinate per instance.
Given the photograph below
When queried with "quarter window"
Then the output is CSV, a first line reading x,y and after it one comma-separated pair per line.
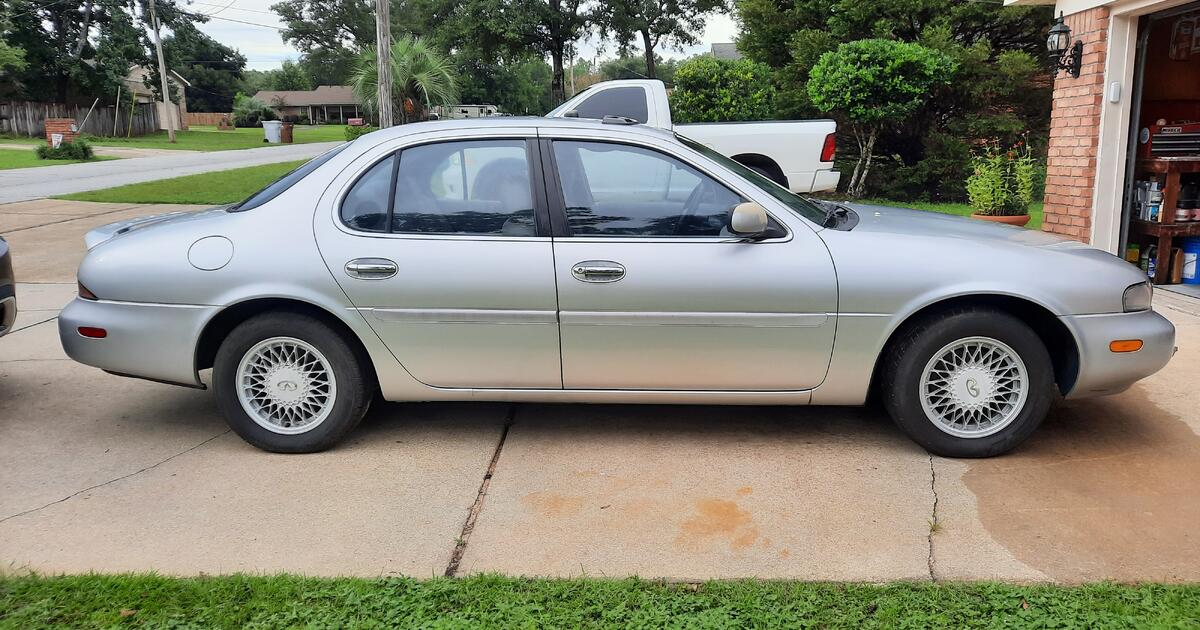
x,y
366,205
620,190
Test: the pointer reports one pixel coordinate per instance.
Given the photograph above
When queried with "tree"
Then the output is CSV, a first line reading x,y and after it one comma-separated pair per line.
x,y
654,22
720,90
421,77
12,58
634,67
875,81
289,77
213,69
519,87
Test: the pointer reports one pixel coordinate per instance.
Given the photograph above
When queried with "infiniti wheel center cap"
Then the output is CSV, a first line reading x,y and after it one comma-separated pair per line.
x,y
287,385
973,386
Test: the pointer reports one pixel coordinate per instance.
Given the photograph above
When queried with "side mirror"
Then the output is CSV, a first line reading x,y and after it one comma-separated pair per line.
x,y
748,219
571,113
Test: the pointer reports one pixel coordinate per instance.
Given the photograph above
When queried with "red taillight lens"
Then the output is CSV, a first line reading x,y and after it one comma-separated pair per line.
x,y
92,332
829,148
85,293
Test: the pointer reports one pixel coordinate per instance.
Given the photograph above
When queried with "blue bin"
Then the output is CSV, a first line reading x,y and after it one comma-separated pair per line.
x,y
1191,260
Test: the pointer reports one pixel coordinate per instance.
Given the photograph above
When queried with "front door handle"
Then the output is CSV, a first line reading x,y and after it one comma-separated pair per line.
x,y
371,268
597,271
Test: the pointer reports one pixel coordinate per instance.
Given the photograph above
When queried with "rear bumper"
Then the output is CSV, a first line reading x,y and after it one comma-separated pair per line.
x,y
1103,372
152,341
813,181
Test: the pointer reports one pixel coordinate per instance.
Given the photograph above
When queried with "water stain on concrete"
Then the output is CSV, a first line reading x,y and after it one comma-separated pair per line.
x,y
718,520
553,505
1106,489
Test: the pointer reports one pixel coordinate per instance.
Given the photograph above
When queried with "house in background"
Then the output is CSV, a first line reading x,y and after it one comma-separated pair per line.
x,y
327,103
135,83
726,51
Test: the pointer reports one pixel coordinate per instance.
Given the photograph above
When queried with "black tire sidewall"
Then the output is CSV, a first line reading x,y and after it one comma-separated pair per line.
x,y
904,370
353,392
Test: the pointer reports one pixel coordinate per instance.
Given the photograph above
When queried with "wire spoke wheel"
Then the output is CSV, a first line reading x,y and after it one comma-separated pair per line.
x,y
974,387
286,385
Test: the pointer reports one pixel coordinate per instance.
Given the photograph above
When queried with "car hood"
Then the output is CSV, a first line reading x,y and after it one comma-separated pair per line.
x,y
105,233
906,222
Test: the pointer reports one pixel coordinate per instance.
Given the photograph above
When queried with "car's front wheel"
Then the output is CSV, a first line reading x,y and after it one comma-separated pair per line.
x,y
289,383
968,383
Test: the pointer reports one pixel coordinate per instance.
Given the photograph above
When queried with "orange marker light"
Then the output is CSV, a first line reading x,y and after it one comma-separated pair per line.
x,y
1125,345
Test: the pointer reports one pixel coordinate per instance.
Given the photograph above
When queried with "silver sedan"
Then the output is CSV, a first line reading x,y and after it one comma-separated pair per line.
x,y
597,261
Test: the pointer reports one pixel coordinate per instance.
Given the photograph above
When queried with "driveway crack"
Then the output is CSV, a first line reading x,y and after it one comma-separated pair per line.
x,y
933,519
114,480
464,537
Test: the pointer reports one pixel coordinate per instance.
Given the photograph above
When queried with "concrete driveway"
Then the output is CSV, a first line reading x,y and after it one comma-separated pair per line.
x,y
23,184
100,473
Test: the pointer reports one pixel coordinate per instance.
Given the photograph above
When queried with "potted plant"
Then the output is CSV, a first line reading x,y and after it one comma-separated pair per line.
x,y
1001,184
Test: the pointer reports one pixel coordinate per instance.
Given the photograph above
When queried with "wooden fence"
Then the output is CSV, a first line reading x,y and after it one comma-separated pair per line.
x,y
210,119
23,118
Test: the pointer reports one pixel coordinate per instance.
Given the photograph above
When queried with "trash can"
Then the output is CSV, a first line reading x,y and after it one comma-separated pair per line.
x,y
285,134
271,130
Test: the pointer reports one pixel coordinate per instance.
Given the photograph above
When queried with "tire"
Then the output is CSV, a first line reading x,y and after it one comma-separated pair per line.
x,y
769,175
941,421
298,411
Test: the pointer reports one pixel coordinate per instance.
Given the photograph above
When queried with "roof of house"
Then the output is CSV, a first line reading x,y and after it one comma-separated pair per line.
x,y
323,95
726,51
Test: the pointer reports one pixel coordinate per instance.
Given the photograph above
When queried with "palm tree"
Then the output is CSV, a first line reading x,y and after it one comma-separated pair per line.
x,y
421,78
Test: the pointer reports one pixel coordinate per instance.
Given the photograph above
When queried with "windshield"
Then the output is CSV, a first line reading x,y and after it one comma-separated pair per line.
x,y
800,205
275,188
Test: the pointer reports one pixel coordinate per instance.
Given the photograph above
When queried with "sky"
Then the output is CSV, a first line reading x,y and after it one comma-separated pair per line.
x,y
265,50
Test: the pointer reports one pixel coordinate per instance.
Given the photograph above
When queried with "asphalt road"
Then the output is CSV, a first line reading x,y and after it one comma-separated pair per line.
x,y
23,184
101,473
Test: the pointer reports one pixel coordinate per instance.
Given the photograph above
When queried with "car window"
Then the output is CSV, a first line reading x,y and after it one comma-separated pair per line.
x,y
275,188
629,102
366,205
621,190
472,187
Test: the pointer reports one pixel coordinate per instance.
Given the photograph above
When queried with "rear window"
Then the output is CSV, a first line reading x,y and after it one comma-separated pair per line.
x,y
629,102
276,188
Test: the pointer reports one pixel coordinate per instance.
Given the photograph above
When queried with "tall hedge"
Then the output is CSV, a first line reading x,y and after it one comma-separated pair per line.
x,y
721,90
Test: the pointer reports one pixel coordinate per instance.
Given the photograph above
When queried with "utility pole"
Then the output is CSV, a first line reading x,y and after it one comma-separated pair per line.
x,y
162,74
383,59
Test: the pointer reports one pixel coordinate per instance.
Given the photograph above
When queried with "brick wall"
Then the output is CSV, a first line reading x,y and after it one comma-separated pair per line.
x,y
1075,131
63,126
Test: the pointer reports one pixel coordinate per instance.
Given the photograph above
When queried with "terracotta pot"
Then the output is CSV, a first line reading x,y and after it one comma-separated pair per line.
x,y
1018,220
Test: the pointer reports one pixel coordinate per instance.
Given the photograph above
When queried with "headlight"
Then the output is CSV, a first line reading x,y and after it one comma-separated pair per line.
x,y
1137,297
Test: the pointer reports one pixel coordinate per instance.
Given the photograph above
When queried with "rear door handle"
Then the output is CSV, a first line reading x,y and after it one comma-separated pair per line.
x,y
371,268
597,271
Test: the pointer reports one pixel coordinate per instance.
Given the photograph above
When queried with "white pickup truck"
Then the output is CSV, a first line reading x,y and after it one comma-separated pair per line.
x,y
797,154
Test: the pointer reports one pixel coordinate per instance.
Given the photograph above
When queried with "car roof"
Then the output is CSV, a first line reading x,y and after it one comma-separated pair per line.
x,y
515,122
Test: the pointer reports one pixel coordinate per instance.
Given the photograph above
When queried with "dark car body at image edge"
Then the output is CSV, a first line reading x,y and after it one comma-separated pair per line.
x,y
8,296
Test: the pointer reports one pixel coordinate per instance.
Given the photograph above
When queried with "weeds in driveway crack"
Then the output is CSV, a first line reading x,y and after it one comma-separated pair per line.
x,y
934,526
111,481
460,543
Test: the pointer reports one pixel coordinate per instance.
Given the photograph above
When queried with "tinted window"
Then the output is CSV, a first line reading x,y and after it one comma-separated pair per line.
x,y
276,187
476,187
366,205
626,101
619,190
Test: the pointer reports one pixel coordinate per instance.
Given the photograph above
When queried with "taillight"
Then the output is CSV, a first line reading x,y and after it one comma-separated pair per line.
x,y
829,148
85,293
92,332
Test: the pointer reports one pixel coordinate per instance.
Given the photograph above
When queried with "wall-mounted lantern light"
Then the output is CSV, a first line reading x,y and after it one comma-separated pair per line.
x,y
1069,56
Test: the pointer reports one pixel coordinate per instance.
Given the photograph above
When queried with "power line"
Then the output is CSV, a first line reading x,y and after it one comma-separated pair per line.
x,y
216,17
230,6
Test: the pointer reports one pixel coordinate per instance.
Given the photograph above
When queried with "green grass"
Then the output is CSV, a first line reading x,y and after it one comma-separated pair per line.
x,y
205,188
240,601
199,138
961,209
21,158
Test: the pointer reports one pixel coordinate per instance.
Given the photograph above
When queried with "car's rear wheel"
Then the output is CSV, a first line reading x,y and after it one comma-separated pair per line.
x,y
289,383
968,383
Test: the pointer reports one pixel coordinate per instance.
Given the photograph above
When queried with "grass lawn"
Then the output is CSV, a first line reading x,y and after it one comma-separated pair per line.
x,y
199,138
20,158
205,188
491,601
961,209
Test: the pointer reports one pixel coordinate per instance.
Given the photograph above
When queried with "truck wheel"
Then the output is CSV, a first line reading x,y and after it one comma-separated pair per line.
x,y
289,383
968,383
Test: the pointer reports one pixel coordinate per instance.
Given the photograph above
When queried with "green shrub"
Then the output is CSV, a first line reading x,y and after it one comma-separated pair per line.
x,y
1003,183
353,133
77,150
721,90
250,112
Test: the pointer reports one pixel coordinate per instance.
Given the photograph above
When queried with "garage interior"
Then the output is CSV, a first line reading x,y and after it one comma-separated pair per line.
x,y
1161,223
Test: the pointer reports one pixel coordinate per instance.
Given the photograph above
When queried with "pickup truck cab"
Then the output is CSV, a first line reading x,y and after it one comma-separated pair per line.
x,y
796,154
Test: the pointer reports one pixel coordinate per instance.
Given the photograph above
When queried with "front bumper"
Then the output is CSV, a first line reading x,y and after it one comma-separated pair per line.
x,y
153,341
1102,371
